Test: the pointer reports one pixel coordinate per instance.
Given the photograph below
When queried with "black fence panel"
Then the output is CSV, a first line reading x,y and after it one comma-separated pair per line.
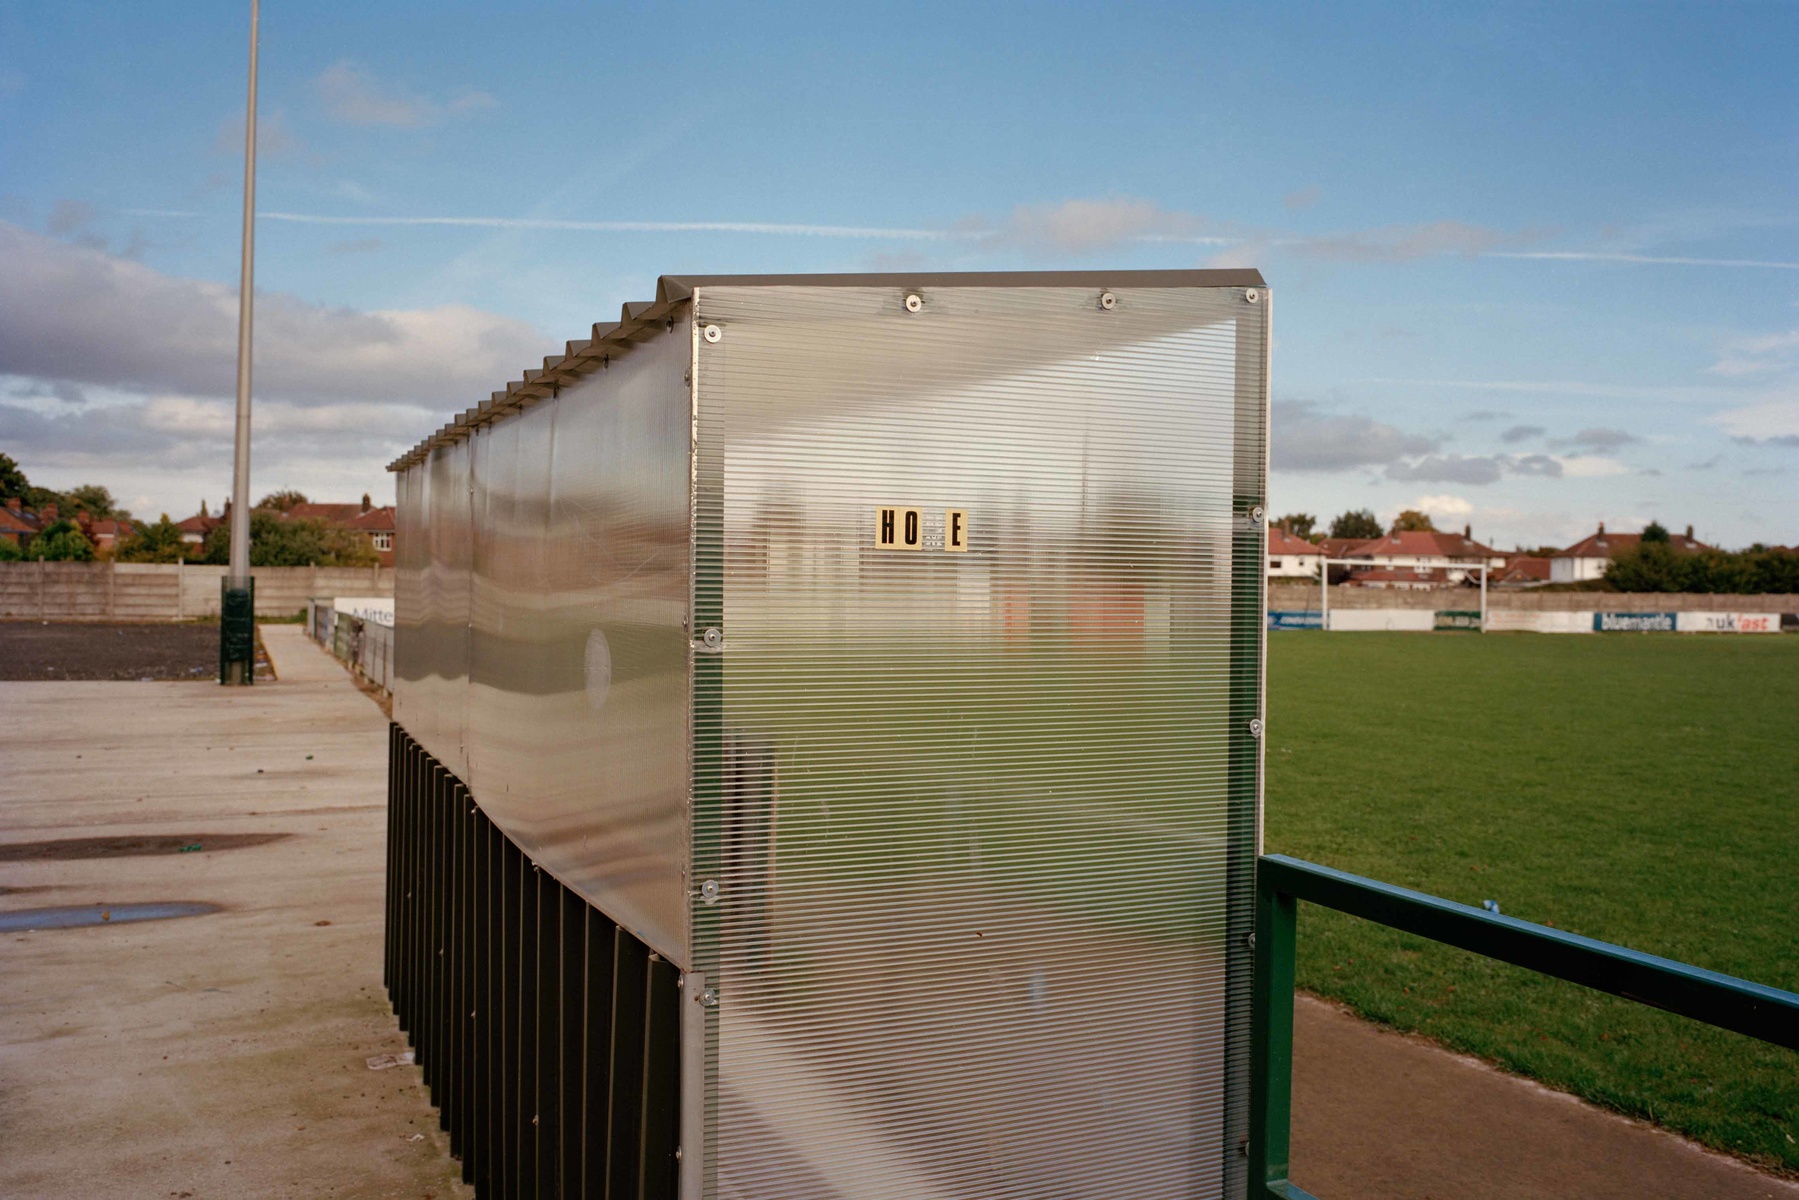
x,y
548,1037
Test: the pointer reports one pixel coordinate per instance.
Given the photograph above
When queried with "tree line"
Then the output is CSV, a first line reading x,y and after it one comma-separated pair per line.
x,y
1654,564
276,540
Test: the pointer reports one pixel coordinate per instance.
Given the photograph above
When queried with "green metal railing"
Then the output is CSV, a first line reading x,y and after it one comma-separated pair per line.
x,y
1281,882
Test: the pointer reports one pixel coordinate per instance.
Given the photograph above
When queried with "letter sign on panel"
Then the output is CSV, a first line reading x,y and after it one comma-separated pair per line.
x,y
899,528
955,530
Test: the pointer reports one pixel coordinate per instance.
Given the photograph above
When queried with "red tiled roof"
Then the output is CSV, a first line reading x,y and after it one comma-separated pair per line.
x,y
1525,568
1339,547
1282,542
17,520
199,523
375,520
1605,545
1418,544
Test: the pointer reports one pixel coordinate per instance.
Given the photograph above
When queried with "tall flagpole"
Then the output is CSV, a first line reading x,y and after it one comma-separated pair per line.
x,y
237,667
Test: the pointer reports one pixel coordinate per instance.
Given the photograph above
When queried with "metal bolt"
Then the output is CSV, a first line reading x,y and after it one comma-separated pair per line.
x,y
677,1154
1255,727
709,997
1249,939
1108,301
914,302
1257,513
1252,295
709,891
714,638
712,333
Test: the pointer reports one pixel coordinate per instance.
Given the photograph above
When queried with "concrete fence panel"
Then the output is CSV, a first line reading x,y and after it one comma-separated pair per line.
x,y
107,591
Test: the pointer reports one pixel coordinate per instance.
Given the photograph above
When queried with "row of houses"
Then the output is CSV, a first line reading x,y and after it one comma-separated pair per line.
x,y
19,524
375,522
1424,559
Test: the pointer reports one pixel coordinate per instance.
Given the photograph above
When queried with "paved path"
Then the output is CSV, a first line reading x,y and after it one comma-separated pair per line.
x,y
212,1056
1378,1114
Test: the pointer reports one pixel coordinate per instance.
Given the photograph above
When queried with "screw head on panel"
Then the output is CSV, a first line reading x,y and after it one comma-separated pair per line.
x,y
1257,513
712,333
714,638
1255,727
914,302
1108,301
1252,295
709,997
709,891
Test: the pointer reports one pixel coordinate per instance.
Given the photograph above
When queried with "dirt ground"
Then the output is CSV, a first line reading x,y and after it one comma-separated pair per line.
x,y
97,650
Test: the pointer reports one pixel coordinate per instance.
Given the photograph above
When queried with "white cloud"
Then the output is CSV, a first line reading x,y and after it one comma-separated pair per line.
x,y
1307,439
1401,243
1757,355
352,95
273,137
85,317
1776,419
113,371
1442,506
1088,226
1590,466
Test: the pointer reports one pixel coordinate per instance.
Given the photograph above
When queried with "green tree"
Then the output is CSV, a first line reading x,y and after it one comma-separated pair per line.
x,y
1300,525
62,541
1655,531
282,500
276,541
9,550
1410,520
158,543
13,484
1358,523
95,501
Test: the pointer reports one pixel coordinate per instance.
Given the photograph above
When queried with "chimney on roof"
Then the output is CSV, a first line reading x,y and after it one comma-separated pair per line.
x,y
203,511
1689,533
14,503
48,513
1468,532
1602,528
365,502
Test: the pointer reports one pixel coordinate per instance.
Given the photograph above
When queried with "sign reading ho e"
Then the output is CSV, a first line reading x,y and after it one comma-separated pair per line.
x,y
904,529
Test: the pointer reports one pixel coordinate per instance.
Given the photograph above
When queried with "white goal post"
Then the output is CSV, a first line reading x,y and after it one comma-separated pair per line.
x,y
1324,586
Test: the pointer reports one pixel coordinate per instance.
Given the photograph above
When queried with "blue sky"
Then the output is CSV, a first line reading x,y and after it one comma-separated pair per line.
x,y
1534,267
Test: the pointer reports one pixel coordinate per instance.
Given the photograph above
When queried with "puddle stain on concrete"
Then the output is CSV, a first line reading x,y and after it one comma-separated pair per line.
x,y
77,916
131,846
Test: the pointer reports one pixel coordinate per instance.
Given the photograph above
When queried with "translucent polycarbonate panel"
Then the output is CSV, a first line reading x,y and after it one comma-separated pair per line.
x,y
967,776
492,583
435,643
577,708
411,561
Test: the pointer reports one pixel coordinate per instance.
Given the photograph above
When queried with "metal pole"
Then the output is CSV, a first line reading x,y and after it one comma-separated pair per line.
x,y
238,667
1324,578
1483,597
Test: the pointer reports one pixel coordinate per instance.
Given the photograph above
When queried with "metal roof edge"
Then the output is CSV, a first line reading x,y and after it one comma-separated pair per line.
x,y
639,317
680,287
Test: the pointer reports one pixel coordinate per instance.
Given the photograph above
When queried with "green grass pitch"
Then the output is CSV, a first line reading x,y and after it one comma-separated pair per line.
x,y
1641,789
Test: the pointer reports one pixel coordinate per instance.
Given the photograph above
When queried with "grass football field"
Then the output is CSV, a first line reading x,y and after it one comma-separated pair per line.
x,y
1641,789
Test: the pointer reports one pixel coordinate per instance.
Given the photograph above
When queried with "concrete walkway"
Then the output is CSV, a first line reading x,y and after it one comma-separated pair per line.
x,y
1378,1114
222,1055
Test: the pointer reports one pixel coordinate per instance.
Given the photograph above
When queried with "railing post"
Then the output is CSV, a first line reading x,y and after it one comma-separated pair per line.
x,y
1271,1042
